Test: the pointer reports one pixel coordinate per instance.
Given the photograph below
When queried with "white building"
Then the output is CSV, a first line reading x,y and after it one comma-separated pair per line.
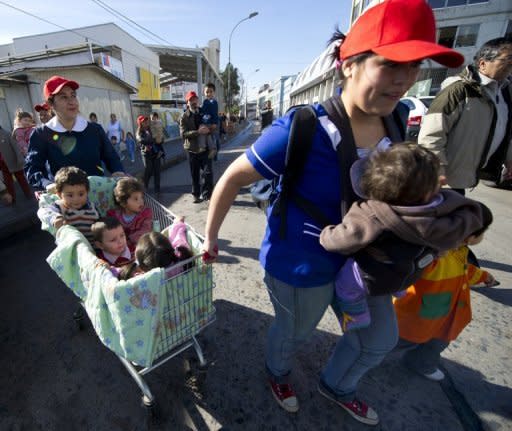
x,y
132,61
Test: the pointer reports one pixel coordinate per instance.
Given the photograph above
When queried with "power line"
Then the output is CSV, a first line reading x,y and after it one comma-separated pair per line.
x,y
87,38
118,14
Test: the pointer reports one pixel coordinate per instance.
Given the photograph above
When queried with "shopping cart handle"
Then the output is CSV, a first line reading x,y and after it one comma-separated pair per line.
x,y
208,258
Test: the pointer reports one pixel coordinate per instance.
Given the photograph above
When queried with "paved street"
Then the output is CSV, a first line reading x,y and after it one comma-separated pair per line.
x,y
57,378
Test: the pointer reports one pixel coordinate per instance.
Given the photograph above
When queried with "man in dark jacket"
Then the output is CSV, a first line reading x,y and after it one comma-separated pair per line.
x,y
196,141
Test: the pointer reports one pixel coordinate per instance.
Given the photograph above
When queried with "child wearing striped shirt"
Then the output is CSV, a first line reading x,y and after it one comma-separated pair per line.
x,y
73,207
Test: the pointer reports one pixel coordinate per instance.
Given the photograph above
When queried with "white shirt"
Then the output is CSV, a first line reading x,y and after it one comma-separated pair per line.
x,y
494,90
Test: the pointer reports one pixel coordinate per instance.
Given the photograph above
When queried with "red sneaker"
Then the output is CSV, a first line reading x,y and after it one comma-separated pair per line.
x,y
358,409
285,396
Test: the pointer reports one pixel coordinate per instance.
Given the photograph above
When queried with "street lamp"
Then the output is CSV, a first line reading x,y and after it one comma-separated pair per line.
x,y
251,15
245,108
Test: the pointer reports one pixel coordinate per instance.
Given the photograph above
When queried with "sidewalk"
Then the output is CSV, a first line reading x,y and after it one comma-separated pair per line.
x,y
22,215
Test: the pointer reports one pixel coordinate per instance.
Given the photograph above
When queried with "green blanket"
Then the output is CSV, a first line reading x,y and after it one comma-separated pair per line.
x,y
144,317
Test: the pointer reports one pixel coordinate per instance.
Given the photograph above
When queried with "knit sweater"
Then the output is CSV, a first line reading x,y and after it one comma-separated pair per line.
x,y
438,305
82,218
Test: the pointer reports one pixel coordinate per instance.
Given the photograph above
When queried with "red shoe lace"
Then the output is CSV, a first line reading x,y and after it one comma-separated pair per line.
x,y
358,406
283,390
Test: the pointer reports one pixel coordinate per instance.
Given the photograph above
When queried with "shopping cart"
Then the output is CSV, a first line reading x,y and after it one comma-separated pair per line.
x,y
170,310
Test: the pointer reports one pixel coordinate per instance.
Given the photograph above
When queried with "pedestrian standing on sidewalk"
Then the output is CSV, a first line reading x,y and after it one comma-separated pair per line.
x,y
152,153
114,129
11,163
68,139
378,60
196,141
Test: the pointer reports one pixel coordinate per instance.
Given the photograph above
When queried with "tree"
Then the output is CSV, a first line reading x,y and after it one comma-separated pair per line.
x,y
234,87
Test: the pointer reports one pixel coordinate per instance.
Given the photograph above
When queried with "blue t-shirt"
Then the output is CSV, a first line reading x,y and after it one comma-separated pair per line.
x,y
210,112
299,259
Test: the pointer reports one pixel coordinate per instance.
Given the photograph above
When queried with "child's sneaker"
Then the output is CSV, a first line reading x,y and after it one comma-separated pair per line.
x,y
284,395
349,322
435,376
356,408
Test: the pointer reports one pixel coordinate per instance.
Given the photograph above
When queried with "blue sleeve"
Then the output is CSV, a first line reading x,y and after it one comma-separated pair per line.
x,y
267,155
35,161
215,112
108,154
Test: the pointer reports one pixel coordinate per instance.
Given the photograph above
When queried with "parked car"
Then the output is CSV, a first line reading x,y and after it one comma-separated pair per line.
x,y
418,108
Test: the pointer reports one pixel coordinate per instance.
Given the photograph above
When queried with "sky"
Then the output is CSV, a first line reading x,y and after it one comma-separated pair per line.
x,y
283,39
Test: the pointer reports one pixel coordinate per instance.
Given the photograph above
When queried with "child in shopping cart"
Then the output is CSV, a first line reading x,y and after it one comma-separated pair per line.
x,y
73,206
134,216
110,242
154,250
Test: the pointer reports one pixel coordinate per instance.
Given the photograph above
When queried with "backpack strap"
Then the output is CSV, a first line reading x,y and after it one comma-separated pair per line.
x,y
300,142
346,149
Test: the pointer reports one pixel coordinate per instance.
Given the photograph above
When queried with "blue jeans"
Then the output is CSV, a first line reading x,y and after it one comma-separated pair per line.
x,y
360,350
297,313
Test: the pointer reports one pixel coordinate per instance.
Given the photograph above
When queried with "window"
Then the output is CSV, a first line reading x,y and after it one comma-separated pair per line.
x,y
456,37
508,33
137,72
455,3
447,36
437,4
356,9
467,35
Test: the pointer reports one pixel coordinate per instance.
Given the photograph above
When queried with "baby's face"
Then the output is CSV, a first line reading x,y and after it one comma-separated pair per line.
x,y
209,93
26,122
74,197
113,241
135,203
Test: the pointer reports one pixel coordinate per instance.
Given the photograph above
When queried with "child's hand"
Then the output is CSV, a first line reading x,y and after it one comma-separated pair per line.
x,y
59,223
490,281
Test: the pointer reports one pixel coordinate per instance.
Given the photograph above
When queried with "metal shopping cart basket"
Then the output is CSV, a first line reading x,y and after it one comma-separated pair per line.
x,y
148,319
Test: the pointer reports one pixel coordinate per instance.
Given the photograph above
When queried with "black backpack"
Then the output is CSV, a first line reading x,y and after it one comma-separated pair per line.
x,y
300,142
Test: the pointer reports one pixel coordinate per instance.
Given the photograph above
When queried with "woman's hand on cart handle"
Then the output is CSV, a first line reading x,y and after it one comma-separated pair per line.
x,y
210,252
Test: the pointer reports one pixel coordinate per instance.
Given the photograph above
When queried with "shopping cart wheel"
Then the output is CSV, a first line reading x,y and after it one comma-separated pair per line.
x,y
78,317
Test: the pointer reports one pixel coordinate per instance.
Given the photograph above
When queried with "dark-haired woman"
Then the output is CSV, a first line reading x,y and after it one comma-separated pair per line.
x,y
152,153
378,61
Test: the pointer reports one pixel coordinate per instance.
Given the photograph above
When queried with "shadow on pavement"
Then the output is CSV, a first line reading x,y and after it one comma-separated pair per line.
x,y
489,264
497,294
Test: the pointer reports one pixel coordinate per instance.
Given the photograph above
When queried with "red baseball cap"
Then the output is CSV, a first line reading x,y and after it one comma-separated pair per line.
x,y
141,119
190,95
55,84
401,31
42,107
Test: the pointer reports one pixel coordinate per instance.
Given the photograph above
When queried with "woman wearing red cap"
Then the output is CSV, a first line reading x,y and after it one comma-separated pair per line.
x,y
152,153
67,139
378,61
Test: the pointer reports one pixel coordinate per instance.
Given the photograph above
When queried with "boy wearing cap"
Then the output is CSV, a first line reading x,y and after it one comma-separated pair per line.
x,y
397,231
195,137
68,139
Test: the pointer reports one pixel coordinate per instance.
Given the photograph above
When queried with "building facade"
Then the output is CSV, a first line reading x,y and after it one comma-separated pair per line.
x,y
131,61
